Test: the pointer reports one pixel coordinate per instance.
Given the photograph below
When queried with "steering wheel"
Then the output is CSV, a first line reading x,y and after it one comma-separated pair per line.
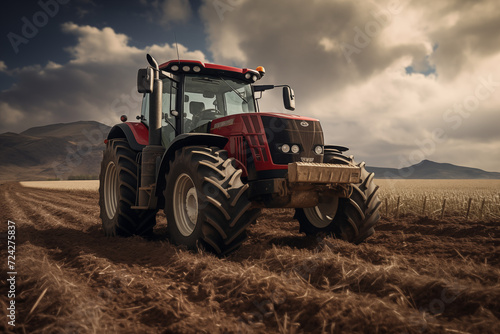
x,y
212,110
204,116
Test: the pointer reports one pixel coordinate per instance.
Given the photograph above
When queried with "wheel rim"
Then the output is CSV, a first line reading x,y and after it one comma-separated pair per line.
x,y
185,205
322,215
111,190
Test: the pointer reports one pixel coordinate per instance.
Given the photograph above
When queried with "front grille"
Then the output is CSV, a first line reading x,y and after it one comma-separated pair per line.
x,y
281,131
255,137
238,149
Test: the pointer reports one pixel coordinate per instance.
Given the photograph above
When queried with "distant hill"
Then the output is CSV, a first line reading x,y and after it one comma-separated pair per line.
x,y
76,131
427,169
52,151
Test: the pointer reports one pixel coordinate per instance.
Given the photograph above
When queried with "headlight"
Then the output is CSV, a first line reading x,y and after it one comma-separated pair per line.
x,y
186,68
254,78
295,148
248,76
175,68
197,69
318,150
285,148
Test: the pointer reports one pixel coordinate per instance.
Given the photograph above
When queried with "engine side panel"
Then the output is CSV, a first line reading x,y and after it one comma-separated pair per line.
x,y
255,138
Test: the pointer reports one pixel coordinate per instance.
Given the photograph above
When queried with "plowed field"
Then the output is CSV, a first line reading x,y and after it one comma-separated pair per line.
x,y
415,275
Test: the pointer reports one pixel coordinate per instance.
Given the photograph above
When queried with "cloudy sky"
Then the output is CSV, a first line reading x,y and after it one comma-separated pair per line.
x,y
397,81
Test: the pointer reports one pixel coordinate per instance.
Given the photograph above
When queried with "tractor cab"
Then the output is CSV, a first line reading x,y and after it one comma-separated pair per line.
x,y
196,93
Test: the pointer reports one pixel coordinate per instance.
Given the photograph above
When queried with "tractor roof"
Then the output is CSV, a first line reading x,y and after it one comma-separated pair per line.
x,y
198,67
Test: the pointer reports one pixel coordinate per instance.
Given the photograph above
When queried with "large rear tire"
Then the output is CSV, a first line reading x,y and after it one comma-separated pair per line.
x,y
206,201
118,191
351,219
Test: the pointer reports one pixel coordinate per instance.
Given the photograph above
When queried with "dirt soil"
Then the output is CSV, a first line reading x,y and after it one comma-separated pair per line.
x,y
415,275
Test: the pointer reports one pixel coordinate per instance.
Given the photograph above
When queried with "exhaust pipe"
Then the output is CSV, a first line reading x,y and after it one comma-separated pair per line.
x,y
153,152
155,103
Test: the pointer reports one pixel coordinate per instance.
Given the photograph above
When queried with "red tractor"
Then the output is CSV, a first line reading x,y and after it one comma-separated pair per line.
x,y
204,154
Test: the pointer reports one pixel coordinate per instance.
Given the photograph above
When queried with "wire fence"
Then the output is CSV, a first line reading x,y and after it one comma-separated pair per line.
x,y
473,209
468,199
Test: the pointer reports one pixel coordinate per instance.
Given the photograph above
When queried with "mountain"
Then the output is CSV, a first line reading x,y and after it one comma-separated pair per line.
x,y
76,131
427,169
52,151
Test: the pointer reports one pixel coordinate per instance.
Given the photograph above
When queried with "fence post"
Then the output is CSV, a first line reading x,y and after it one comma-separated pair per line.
x,y
397,208
423,209
444,208
468,208
482,208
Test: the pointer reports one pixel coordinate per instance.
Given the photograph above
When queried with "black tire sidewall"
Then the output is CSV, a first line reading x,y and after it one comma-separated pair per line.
x,y
109,225
117,225
177,169
340,226
224,211
126,221
310,229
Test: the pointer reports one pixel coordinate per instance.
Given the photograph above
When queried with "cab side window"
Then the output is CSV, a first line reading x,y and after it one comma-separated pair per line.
x,y
168,104
145,109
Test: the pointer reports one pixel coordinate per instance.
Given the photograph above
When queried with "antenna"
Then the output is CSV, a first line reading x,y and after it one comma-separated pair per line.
x,y
177,48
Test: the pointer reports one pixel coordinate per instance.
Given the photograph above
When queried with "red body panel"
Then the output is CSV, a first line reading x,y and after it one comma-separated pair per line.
x,y
140,131
287,116
246,133
246,136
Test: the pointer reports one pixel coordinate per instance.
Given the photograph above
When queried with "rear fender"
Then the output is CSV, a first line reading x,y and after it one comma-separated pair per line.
x,y
186,139
137,134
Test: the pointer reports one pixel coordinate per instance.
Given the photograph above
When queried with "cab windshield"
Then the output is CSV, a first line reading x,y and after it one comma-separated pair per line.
x,y
207,98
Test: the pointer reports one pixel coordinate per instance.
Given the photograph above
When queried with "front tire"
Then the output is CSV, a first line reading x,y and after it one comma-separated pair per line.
x,y
351,219
118,191
206,203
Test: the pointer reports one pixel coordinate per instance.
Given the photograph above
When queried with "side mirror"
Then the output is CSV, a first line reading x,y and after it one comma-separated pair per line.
x,y
145,80
288,98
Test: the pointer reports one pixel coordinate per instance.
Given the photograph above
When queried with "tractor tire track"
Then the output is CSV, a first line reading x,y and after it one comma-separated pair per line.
x,y
70,202
83,219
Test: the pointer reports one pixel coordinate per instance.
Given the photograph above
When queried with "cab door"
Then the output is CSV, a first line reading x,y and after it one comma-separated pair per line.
x,y
168,121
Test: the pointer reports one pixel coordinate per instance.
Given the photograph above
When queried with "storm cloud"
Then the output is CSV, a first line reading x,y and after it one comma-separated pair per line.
x,y
382,77
98,83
